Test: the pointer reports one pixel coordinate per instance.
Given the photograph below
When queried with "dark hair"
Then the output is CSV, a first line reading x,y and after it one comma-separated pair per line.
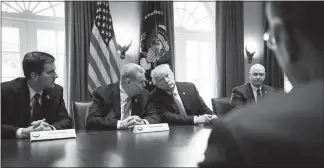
x,y
302,18
35,61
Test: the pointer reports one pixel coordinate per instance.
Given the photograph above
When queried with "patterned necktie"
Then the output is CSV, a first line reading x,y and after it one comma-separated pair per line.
x,y
127,107
177,100
36,108
259,95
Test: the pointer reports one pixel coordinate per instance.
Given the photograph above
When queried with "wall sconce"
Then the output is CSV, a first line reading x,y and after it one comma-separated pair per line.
x,y
123,39
250,50
123,49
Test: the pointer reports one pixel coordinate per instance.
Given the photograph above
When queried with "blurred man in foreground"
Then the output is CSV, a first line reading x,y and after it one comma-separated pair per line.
x,y
283,128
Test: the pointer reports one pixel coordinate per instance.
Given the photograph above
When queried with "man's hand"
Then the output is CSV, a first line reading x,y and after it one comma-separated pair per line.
x,y
126,122
212,116
203,119
25,133
136,121
43,126
37,123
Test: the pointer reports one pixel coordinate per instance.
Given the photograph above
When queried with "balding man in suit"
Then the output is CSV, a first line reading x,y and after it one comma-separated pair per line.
x,y
254,90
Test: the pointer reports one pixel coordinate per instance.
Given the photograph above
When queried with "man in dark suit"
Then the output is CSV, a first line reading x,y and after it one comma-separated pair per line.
x,y
283,129
33,103
176,103
254,90
120,105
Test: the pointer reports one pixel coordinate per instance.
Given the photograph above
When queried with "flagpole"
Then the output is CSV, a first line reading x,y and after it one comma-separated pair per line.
x,y
156,31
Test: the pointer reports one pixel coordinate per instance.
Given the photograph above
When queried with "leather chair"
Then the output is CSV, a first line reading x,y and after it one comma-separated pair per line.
x,y
221,105
80,114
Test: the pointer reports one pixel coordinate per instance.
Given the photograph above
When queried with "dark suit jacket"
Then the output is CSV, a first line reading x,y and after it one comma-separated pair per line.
x,y
15,107
104,111
282,129
243,94
161,103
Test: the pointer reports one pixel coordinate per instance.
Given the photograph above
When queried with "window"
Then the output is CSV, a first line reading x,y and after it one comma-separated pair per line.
x,y
195,61
30,26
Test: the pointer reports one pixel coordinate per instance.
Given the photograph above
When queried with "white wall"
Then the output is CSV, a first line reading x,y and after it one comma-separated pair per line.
x,y
253,30
126,18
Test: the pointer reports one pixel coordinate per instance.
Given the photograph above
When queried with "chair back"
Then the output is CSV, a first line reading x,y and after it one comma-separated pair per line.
x,y
221,105
79,113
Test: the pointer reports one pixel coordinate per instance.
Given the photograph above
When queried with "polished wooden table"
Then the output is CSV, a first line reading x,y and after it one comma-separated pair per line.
x,y
181,146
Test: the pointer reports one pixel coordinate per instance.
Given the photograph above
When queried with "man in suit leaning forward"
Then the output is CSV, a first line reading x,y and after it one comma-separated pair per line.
x,y
177,103
33,103
120,105
254,90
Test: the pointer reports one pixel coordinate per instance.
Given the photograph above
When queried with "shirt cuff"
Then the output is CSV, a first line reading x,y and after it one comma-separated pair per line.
x,y
195,118
18,133
118,124
146,122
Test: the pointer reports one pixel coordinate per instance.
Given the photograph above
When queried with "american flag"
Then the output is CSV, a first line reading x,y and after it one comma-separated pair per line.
x,y
103,67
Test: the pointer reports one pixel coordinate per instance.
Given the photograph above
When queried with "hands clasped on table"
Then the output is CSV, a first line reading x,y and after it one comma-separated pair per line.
x,y
39,125
131,121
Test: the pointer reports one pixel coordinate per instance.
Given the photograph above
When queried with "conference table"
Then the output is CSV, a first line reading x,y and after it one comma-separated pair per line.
x,y
181,146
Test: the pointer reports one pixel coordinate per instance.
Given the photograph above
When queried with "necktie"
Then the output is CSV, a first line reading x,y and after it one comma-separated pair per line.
x,y
177,100
259,95
126,110
36,108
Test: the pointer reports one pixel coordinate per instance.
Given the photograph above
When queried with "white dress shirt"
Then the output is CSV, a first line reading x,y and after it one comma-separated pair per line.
x,y
123,102
254,89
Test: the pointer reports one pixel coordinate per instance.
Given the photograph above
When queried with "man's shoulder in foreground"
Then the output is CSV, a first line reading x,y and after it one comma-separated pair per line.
x,y
283,128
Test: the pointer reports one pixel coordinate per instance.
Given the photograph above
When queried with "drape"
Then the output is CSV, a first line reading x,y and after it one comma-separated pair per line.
x,y
229,46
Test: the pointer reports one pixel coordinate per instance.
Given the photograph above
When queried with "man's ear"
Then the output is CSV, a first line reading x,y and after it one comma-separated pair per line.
x,y
283,40
34,75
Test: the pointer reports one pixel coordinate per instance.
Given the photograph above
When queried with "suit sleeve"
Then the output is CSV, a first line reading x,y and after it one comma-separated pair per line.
x,y
236,98
7,130
151,113
222,150
203,109
95,120
65,121
164,115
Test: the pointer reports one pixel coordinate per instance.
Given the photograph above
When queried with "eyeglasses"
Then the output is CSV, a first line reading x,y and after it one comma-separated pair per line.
x,y
270,40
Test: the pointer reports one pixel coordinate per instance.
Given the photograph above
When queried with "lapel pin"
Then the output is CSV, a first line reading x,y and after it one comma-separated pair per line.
x,y
47,97
184,93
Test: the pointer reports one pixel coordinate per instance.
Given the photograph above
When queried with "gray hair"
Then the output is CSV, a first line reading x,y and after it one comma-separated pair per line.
x,y
257,66
130,71
157,71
